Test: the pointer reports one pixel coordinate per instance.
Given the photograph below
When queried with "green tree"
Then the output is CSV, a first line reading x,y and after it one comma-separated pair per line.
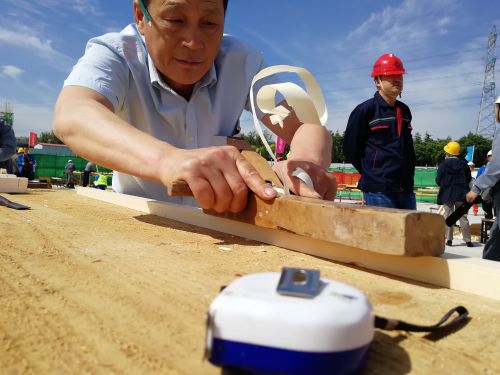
x,y
254,140
481,147
49,137
337,147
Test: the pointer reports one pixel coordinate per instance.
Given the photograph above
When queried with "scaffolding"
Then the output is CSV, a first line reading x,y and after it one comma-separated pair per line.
x,y
6,113
486,119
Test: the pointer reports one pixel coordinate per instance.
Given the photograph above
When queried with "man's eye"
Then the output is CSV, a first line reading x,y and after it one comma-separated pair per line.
x,y
174,21
209,24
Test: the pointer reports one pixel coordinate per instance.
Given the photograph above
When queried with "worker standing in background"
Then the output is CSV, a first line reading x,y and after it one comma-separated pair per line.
x,y
7,146
487,204
26,163
453,178
471,165
69,170
150,101
487,186
89,168
378,140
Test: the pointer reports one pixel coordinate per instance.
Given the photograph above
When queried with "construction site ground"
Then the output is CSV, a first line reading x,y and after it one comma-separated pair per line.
x,y
91,287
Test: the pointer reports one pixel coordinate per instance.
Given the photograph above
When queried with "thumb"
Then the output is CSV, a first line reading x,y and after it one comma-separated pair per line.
x,y
306,185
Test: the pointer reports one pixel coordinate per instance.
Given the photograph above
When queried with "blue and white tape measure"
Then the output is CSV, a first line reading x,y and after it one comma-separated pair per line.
x,y
293,323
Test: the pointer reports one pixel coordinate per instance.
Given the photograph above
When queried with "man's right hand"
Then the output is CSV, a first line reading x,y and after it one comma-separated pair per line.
x,y
219,177
471,196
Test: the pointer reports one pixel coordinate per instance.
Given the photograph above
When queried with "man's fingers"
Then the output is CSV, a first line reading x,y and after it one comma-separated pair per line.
x,y
253,180
309,180
202,192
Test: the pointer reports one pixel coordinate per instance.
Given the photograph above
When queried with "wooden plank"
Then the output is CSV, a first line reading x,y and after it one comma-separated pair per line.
x,y
477,276
386,231
147,282
382,230
12,184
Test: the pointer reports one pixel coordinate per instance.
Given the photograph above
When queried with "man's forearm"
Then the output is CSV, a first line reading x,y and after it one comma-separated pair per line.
x,y
312,143
92,130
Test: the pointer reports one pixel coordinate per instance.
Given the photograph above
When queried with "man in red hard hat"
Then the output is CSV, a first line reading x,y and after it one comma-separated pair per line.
x,y
378,140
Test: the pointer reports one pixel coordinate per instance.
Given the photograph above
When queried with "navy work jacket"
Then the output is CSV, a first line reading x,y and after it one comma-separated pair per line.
x,y
378,142
453,177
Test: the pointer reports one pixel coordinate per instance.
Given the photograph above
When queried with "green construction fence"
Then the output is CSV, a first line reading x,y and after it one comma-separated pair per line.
x,y
53,165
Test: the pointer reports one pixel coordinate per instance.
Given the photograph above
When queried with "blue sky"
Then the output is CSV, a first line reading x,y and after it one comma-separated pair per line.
x,y
441,42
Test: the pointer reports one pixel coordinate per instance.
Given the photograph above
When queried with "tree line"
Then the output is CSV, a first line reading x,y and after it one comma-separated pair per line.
x,y
428,151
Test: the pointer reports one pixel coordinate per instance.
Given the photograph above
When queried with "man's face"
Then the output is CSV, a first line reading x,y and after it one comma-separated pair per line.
x,y
391,85
183,39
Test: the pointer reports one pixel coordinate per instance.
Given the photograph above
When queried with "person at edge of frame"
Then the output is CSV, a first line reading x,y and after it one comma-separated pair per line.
x,y
487,185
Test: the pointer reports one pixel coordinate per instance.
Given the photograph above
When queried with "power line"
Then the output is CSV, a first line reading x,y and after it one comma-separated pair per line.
x,y
368,66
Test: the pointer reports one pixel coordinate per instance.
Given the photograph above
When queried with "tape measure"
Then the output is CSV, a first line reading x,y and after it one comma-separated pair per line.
x,y
297,323
289,323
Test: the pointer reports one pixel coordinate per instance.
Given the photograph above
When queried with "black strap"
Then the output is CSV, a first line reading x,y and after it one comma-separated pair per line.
x,y
8,203
393,324
458,213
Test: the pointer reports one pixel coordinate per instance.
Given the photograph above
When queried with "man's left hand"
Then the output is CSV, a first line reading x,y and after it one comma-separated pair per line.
x,y
325,183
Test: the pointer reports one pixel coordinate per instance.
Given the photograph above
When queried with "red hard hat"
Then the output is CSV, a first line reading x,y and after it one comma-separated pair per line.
x,y
388,64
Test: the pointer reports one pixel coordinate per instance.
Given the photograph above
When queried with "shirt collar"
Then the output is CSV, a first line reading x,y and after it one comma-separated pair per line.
x,y
383,103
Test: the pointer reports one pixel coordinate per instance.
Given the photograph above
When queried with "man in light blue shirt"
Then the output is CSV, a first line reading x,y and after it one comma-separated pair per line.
x,y
151,101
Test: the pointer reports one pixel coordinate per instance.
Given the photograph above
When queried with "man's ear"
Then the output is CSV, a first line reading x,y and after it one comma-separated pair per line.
x,y
139,18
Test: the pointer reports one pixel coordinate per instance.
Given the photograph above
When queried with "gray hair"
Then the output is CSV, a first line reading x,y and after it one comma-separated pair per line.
x,y
146,4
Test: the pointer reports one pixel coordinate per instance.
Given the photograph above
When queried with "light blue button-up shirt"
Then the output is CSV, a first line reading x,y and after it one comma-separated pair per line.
x,y
117,66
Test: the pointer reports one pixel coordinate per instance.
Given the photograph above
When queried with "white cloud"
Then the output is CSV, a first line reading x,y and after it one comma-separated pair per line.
x,y
411,22
25,38
85,7
11,71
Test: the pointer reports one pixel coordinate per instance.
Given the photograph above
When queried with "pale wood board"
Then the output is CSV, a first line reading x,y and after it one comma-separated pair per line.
x,y
12,184
91,287
477,276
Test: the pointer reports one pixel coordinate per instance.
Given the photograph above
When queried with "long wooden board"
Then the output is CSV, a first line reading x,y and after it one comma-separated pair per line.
x,y
477,276
381,230
89,286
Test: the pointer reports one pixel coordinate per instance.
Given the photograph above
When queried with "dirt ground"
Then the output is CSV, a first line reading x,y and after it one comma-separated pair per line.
x,y
90,287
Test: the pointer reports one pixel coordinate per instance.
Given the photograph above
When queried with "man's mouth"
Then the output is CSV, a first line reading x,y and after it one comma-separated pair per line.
x,y
191,62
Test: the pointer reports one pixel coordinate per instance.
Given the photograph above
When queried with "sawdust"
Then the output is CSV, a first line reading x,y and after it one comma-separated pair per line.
x,y
89,287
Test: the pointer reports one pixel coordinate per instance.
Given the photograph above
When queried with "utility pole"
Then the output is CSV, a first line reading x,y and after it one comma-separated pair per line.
x,y
486,119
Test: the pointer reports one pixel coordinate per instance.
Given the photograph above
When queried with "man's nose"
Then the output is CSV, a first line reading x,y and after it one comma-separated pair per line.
x,y
192,38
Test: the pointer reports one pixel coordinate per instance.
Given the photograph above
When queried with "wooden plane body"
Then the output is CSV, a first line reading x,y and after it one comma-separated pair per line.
x,y
382,230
